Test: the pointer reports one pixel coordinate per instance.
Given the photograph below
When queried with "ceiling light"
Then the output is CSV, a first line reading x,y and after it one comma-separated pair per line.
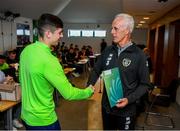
x,y
139,24
142,22
146,18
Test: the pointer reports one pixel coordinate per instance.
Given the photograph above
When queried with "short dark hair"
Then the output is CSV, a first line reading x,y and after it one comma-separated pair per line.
x,y
12,51
48,21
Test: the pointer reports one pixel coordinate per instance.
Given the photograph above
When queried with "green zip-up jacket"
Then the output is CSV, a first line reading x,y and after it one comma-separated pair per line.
x,y
40,73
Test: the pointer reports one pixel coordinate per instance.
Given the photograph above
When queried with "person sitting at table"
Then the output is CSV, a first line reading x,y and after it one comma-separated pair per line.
x,y
70,57
13,67
6,68
89,51
76,47
71,46
16,116
64,51
3,64
76,52
72,62
11,57
82,53
16,109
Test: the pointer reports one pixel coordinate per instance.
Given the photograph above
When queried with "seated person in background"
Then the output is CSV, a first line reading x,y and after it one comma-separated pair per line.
x,y
16,116
11,59
8,70
2,77
76,52
71,46
72,62
3,64
64,51
89,51
53,50
76,47
16,109
70,56
82,53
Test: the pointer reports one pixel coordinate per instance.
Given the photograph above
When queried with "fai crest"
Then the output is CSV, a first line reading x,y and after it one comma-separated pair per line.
x,y
126,62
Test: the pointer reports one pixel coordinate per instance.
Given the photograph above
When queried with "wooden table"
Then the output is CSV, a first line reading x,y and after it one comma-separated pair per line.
x,y
6,106
68,70
84,63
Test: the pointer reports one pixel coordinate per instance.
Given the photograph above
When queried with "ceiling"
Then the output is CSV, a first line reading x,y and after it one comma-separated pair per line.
x,y
90,11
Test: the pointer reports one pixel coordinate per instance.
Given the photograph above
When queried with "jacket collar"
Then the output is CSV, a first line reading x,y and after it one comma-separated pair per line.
x,y
130,48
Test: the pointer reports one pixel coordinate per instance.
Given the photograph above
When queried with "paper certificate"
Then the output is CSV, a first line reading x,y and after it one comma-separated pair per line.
x,y
113,85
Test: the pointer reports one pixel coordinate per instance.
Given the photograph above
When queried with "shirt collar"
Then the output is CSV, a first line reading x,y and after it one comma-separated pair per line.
x,y
43,45
127,45
121,49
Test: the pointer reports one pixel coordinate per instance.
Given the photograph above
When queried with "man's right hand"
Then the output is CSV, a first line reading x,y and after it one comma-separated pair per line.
x,y
92,88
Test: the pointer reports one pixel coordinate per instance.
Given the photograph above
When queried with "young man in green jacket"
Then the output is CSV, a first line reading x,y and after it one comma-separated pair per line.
x,y
40,73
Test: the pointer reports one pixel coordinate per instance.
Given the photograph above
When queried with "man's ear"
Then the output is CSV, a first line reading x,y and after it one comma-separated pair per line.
x,y
47,34
127,31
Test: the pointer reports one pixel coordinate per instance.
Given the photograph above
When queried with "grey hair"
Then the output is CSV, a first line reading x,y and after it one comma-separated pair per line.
x,y
129,20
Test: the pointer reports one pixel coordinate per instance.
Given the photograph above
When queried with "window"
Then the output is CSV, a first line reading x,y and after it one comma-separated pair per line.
x,y
20,32
23,34
87,33
100,33
27,32
74,33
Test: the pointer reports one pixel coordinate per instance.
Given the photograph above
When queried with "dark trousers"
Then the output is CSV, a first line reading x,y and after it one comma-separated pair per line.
x,y
114,122
17,111
54,126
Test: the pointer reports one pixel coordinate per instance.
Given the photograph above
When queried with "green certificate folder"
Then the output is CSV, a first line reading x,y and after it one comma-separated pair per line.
x,y
113,85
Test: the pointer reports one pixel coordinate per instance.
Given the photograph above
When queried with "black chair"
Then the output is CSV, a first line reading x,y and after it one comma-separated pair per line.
x,y
162,97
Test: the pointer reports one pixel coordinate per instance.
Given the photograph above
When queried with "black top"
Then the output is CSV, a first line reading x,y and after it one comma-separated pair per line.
x,y
134,75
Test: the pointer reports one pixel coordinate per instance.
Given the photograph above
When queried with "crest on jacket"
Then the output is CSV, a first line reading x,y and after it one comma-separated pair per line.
x,y
126,62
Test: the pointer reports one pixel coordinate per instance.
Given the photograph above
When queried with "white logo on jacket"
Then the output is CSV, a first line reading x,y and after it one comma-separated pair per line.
x,y
126,62
109,59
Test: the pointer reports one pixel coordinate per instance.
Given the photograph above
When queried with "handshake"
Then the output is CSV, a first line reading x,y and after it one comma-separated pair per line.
x,y
91,87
